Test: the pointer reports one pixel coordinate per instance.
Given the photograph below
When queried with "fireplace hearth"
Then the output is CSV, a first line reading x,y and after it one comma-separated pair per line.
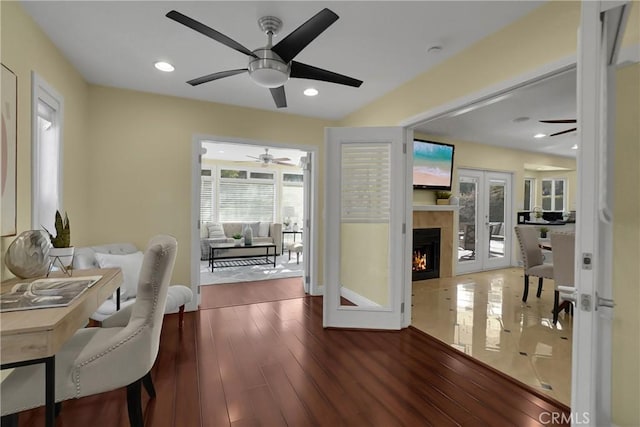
x,y
426,254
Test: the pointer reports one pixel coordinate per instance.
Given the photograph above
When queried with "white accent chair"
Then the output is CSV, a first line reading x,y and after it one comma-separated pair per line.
x,y
563,247
90,257
532,259
97,360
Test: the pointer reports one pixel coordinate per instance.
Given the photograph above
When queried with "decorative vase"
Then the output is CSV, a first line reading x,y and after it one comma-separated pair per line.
x,y
28,255
295,226
454,200
61,257
248,235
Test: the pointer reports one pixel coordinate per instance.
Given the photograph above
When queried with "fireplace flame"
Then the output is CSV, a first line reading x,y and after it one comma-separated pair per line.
x,y
419,261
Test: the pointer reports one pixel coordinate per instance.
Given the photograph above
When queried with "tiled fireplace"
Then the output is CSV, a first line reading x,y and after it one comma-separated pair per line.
x,y
425,261
441,218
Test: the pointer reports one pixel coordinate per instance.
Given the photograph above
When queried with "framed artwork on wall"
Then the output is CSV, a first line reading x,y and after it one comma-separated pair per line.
x,y
8,158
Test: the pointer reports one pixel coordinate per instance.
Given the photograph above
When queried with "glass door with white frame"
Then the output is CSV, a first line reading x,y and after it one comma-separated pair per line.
x,y
365,200
484,238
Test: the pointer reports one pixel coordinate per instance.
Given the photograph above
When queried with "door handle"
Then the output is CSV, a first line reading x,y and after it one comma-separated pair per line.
x,y
568,293
604,302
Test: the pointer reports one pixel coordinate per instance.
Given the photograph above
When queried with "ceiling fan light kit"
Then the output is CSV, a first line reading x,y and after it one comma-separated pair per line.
x,y
272,66
268,70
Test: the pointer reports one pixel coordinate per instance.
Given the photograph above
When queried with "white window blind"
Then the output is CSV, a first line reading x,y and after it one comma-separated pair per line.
x,y
366,182
246,201
293,196
206,196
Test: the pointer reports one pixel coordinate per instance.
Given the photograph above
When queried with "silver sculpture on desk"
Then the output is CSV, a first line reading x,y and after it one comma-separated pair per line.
x,y
28,255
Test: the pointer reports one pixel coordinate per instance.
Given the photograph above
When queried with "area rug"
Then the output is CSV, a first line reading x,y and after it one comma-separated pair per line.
x,y
284,268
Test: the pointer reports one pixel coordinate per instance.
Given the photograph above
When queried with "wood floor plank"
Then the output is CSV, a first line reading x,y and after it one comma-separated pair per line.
x,y
271,363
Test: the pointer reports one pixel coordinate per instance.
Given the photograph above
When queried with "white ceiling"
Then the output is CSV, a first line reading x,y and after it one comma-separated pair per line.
x,y
115,43
383,43
495,121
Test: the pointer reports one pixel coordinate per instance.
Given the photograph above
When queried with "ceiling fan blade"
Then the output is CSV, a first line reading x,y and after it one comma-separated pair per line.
x,y
281,159
209,32
284,163
297,40
304,71
216,76
254,157
558,121
279,97
564,131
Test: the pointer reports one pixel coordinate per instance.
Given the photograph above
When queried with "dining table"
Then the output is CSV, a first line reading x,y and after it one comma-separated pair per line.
x,y
31,336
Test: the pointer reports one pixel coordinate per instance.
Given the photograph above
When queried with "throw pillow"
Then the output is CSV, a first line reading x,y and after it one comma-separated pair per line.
x,y
204,230
216,231
263,229
131,264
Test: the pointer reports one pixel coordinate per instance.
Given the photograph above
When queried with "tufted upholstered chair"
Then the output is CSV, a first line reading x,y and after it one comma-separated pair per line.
x,y
532,259
87,258
563,246
97,360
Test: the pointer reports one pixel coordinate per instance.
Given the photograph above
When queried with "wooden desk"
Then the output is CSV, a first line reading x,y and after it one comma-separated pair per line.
x,y
35,336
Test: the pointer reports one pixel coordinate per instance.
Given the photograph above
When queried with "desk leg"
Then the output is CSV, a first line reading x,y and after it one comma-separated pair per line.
x,y
50,391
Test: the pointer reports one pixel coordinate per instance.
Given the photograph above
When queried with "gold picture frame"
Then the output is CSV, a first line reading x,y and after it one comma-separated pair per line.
x,y
8,152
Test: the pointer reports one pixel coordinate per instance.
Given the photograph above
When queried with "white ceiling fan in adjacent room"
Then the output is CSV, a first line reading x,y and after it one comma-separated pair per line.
x,y
267,159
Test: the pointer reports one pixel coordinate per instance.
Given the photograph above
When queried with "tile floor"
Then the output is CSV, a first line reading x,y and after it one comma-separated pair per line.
x,y
482,314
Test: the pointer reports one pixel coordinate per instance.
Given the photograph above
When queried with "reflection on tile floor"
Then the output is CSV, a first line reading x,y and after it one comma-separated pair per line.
x,y
482,314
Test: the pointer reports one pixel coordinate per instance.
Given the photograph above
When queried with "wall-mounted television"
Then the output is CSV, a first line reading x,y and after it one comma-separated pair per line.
x,y
432,165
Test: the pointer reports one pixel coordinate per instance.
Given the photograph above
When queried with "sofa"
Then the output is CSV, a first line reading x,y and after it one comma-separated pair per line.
x,y
128,258
263,232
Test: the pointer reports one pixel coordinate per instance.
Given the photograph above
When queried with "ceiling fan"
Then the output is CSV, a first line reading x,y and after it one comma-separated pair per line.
x,y
267,158
271,66
561,121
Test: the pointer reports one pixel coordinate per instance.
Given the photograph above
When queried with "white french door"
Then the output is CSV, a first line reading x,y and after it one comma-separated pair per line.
x,y
484,226
366,274
601,30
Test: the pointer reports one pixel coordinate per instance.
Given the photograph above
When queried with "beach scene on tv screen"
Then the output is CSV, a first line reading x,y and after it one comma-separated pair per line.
x,y
432,164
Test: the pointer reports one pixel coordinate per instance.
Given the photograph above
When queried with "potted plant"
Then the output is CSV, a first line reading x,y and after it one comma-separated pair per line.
x,y
237,239
442,197
543,232
62,251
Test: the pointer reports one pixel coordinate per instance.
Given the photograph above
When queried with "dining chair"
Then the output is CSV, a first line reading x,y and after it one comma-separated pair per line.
x,y
563,247
97,360
532,259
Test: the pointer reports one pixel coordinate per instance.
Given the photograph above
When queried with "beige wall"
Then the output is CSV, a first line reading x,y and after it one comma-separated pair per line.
x,y
488,157
25,48
140,156
626,251
127,154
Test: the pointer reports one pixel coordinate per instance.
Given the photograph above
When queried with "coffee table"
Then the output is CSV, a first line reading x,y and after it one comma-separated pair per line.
x,y
225,256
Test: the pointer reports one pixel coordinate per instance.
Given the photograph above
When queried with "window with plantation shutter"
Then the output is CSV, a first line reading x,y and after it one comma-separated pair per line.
x,y
366,183
206,196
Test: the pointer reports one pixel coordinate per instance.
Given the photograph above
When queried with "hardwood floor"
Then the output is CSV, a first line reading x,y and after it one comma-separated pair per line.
x,y
226,295
273,364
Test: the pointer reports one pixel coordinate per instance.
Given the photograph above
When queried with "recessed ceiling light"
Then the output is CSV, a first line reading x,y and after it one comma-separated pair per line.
x,y
311,91
164,66
574,147
539,135
434,49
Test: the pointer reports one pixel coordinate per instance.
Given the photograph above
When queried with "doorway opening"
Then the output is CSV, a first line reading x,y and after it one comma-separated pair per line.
x,y
251,200
483,314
